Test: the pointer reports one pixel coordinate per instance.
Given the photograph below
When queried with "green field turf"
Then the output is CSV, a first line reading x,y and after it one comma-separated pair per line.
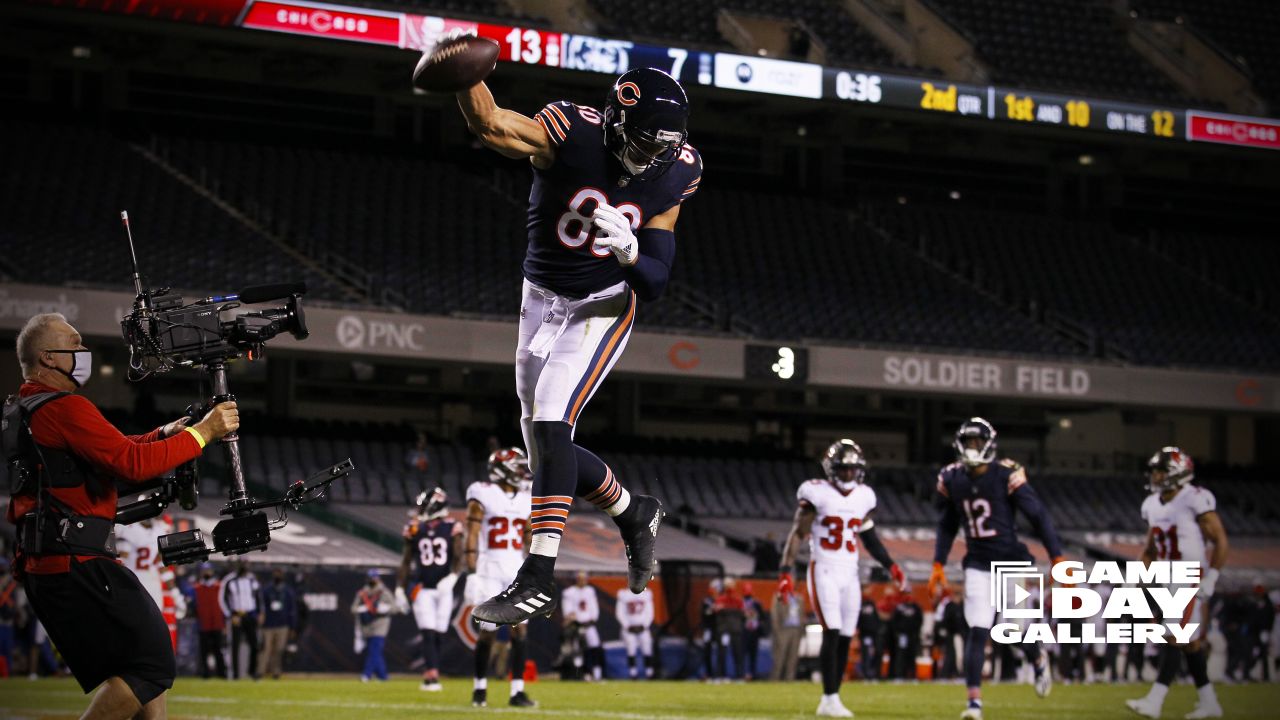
x,y
331,699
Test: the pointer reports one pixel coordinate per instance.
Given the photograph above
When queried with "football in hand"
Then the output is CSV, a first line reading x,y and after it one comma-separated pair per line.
x,y
456,64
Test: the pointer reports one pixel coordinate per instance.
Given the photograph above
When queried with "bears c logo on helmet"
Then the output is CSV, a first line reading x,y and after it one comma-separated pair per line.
x,y
630,98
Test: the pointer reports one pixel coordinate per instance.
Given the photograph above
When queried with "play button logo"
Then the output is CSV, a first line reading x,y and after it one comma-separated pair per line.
x,y
1009,589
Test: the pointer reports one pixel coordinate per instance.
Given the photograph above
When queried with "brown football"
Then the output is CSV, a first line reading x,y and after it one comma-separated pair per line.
x,y
456,65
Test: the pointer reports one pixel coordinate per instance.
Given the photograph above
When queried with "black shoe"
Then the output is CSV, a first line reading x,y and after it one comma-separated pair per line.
x,y
640,537
526,598
479,697
522,700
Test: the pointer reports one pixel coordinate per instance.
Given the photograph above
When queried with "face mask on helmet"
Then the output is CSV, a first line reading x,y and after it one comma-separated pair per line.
x,y
975,442
640,153
845,465
645,118
1169,469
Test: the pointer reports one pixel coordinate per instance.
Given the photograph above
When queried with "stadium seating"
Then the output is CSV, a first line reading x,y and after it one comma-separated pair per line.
x,y
811,273
1243,29
712,479
182,239
1151,309
1069,45
695,22
790,266
1241,265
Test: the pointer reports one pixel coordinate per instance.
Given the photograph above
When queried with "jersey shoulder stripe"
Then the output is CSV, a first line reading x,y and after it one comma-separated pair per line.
x,y
1017,474
553,121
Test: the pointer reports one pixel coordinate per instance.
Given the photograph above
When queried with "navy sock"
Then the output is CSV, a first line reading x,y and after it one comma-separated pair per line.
x,y
482,658
1032,651
554,483
975,651
591,471
1170,663
1198,666
430,649
517,658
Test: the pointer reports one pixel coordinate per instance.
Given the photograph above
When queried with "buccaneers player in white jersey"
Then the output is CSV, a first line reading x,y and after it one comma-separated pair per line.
x,y
497,528
1182,519
842,505
137,546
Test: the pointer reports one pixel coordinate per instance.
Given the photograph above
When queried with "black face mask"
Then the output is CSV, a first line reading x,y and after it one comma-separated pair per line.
x,y
207,576
373,584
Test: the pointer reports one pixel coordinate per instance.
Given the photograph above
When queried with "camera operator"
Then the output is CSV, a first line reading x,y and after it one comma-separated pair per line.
x,y
99,616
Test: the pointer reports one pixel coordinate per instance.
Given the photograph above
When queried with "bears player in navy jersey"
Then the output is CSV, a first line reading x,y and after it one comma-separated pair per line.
x,y
982,493
433,549
608,185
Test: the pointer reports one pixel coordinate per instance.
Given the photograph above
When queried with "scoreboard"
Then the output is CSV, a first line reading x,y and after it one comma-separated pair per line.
x,y
585,53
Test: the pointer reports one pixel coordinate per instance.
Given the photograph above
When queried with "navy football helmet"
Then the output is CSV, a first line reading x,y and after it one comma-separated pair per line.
x,y
844,455
645,122
432,503
1169,469
975,442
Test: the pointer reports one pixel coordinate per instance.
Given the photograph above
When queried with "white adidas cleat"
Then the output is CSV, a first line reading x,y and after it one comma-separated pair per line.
x,y
972,713
1203,710
1145,707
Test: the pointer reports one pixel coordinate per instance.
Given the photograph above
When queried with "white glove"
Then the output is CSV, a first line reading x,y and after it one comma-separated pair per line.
x,y
614,234
402,601
1208,582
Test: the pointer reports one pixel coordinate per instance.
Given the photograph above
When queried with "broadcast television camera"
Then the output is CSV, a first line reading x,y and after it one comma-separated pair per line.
x,y
162,334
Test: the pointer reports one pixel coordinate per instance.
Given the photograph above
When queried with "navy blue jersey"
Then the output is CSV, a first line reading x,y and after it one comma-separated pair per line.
x,y
564,195
985,505
433,549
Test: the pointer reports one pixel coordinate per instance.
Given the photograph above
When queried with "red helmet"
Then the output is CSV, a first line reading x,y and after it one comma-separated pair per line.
x,y
509,467
1169,469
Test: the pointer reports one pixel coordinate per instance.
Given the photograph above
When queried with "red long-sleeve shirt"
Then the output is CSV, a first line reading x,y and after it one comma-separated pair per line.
x,y
209,608
73,424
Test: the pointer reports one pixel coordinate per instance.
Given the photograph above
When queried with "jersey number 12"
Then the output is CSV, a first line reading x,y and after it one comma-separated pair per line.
x,y
978,511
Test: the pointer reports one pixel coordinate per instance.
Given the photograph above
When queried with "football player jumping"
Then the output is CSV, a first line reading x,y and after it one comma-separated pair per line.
x,y
433,549
607,188
842,505
497,527
982,493
1181,518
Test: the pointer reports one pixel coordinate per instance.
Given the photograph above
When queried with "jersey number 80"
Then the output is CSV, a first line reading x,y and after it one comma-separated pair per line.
x,y
575,228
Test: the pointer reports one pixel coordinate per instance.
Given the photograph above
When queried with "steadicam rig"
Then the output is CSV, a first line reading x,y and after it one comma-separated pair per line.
x,y
164,334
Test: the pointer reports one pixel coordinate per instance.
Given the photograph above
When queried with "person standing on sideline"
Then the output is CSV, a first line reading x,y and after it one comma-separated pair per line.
x,y
241,600
212,618
373,607
787,615
635,616
756,627
279,621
